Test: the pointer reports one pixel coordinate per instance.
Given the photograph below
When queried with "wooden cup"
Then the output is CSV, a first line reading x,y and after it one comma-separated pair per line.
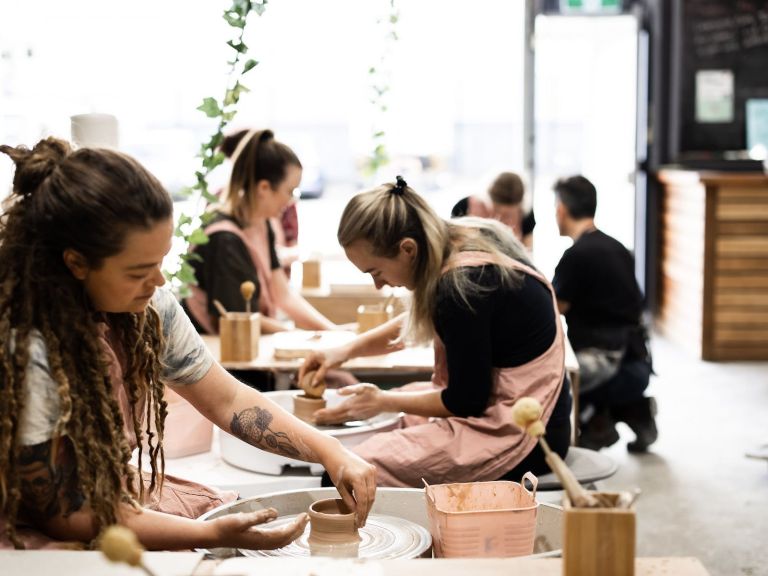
x,y
239,333
598,541
310,276
371,315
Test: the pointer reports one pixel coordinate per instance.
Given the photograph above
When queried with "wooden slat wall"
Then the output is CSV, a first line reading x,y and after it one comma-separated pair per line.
x,y
740,280
714,264
682,264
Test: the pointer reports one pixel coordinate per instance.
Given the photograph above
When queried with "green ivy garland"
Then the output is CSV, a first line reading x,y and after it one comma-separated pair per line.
x,y
379,77
190,227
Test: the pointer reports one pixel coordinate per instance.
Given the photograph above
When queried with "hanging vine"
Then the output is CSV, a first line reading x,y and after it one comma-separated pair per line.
x,y
380,75
190,226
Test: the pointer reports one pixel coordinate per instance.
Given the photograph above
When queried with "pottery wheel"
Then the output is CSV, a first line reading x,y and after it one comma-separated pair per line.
x,y
382,538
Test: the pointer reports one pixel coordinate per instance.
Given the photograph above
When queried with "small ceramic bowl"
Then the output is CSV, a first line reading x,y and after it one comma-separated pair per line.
x,y
305,407
332,529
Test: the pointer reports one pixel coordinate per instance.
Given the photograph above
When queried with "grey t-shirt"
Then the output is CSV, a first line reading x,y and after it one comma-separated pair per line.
x,y
185,360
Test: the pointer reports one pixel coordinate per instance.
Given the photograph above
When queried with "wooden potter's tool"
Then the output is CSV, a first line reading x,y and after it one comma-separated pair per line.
x,y
220,307
120,544
526,413
247,289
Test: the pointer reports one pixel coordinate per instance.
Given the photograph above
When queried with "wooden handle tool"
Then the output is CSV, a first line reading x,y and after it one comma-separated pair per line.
x,y
120,544
526,413
247,289
220,307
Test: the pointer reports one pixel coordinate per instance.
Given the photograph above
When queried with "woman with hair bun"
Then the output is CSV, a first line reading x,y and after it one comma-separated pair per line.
x,y
242,239
497,337
87,345
504,202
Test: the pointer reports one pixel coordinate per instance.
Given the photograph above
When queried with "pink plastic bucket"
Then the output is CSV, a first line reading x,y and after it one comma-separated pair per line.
x,y
482,519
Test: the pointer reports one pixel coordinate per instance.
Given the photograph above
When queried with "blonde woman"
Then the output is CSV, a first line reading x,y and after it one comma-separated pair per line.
x,y
494,323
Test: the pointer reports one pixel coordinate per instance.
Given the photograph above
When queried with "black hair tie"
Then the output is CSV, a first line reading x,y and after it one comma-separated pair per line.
x,y
400,186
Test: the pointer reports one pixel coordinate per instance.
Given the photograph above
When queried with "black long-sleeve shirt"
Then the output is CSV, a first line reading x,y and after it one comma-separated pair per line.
x,y
502,327
226,264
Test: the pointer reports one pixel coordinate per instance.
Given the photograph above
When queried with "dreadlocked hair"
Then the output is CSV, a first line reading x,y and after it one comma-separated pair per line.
x,y
86,200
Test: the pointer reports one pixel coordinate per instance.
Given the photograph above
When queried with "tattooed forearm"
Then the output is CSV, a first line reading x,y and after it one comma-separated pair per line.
x,y
48,486
252,426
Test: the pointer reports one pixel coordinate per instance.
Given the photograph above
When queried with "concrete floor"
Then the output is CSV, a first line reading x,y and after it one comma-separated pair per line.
x,y
700,495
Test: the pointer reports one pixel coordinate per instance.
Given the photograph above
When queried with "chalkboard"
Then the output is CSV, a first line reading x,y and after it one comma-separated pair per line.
x,y
721,39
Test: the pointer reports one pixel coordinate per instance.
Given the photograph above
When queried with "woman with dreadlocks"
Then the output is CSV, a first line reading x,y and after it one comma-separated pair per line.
x,y
87,344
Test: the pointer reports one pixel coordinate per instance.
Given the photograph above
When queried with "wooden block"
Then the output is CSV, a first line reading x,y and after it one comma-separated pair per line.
x,y
310,274
598,541
239,333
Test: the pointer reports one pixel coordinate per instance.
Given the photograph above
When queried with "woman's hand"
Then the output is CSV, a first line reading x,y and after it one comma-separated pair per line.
x,y
322,361
243,530
366,401
355,479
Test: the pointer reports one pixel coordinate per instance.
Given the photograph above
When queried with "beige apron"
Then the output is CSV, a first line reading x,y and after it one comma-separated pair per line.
x,y
458,449
256,240
178,496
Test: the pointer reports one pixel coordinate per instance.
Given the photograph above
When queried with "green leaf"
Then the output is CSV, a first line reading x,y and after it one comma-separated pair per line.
x,y
233,94
259,7
239,47
207,217
186,273
210,107
186,191
198,237
236,21
209,196
249,65
241,6
213,161
193,257
227,116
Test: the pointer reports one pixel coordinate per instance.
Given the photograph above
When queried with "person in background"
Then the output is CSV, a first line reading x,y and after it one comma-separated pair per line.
x,y
504,203
603,305
242,239
286,226
497,336
87,345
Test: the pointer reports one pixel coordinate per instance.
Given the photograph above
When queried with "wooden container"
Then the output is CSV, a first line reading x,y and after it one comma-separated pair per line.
x,y
239,333
598,541
371,315
310,275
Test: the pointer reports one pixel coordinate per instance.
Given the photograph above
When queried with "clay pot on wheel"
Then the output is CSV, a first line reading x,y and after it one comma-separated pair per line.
x,y
332,529
305,407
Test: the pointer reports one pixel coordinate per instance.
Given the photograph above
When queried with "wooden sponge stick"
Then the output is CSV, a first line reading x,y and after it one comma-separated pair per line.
x,y
526,413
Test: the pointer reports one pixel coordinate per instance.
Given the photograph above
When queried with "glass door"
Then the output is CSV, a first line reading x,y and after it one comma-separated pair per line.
x,y
585,118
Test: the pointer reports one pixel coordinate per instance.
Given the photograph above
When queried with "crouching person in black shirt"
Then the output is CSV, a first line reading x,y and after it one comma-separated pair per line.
x,y
602,302
494,323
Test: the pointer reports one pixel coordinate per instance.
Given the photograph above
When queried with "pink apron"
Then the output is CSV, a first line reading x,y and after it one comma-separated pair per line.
x,y
257,242
458,449
178,496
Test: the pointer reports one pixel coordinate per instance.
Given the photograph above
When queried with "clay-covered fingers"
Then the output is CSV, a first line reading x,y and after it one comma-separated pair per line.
x,y
336,415
316,363
356,482
365,401
272,538
247,530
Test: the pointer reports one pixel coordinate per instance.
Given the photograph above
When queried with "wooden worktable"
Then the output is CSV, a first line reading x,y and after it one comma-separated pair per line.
x,y
417,360
65,563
